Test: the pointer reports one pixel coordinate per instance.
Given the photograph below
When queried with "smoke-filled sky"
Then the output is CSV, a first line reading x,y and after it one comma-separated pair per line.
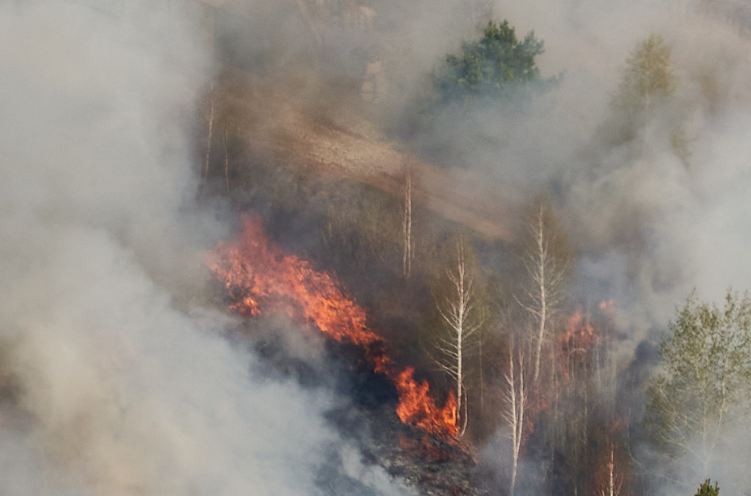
x,y
116,382
649,226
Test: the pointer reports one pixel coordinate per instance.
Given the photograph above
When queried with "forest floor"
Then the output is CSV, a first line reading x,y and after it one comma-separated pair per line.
x,y
278,124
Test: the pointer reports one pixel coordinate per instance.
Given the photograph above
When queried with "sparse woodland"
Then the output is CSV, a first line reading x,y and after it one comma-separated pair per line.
x,y
532,362
375,248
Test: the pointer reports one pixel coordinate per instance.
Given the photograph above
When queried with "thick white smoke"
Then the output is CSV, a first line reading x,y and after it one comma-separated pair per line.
x,y
115,382
650,225
109,386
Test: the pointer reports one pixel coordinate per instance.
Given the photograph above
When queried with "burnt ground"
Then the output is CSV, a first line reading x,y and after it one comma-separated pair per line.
x,y
365,417
299,138
429,465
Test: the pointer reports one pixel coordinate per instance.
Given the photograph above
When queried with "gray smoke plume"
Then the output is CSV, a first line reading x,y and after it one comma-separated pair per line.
x,y
113,379
650,226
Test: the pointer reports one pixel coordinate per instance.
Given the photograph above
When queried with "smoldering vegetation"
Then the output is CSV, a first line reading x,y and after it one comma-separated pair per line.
x,y
136,136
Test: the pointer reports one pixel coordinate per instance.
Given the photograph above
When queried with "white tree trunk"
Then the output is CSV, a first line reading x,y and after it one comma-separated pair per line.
x,y
546,273
407,223
542,288
458,314
210,136
226,161
517,398
613,484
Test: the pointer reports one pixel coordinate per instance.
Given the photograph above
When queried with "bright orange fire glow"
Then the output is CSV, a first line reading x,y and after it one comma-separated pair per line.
x,y
259,275
607,307
580,334
417,407
576,343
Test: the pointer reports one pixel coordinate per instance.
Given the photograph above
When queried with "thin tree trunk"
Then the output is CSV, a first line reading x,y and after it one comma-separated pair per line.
x,y
226,161
482,373
458,314
209,139
407,223
613,484
459,328
611,475
543,317
515,413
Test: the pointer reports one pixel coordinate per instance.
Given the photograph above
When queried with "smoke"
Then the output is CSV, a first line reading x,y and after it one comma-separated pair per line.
x,y
115,379
649,223
650,226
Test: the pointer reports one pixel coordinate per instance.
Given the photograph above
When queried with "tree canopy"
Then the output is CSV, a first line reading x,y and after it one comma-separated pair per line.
x,y
707,489
705,376
647,78
646,89
495,66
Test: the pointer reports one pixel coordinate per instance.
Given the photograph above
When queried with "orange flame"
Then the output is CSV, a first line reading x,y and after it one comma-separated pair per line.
x,y
580,334
416,406
607,307
576,343
259,275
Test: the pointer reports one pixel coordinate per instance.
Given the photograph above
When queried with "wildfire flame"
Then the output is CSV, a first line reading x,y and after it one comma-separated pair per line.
x,y
259,275
578,341
580,334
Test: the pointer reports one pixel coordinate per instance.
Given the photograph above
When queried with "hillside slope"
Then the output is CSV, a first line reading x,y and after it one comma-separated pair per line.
x,y
282,128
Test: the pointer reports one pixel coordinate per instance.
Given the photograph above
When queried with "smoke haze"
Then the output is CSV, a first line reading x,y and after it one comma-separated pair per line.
x,y
118,382
111,386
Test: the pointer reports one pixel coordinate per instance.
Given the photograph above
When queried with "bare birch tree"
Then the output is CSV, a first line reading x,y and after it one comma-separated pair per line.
x,y
210,135
546,271
461,318
407,223
226,161
516,405
614,483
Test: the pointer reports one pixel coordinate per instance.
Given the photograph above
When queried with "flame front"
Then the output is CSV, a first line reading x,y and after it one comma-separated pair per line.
x,y
580,335
260,276
416,406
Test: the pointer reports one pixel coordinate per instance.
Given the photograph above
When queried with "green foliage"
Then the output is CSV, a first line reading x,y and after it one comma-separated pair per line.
x,y
706,369
647,85
707,489
495,66
453,119
648,77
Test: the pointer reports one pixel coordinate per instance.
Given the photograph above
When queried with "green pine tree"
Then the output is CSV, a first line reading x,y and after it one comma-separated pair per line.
x,y
707,489
496,66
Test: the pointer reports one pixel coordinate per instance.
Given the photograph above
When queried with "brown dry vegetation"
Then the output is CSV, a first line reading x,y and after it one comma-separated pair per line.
x,y
282,129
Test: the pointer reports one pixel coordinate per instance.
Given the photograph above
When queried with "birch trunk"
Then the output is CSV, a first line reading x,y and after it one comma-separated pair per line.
x,y
517,397
209,138
407,224
458,313
226,161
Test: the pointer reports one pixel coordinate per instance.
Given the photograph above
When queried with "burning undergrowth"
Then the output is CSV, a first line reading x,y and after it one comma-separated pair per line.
x,y
261,277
